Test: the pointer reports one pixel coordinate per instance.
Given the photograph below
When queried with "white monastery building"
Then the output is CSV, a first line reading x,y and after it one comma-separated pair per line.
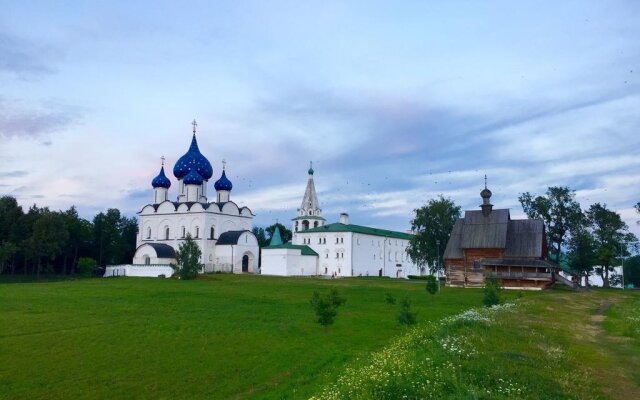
x,y
338,249
221,229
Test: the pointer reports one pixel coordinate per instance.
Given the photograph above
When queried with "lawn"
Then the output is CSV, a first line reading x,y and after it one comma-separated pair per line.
x,y
222,336
243,336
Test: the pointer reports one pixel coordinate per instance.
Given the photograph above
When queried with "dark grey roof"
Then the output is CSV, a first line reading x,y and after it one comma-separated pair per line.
x,y
518,262
519,238
482,232
453,249
230,237
162,250
525,238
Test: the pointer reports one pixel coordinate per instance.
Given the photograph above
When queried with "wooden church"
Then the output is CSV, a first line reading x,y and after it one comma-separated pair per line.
x,y
488,241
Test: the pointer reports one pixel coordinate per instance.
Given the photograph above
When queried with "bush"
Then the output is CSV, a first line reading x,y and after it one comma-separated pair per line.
x,y
405,316
389,299
418,277
326,307
188,258
492,291
86,266
432,284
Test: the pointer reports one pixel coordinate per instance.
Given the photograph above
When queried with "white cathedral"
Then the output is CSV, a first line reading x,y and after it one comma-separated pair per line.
x,y
221,229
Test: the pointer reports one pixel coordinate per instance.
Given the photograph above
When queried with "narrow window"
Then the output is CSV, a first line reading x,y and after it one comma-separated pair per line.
x,y
149,233
184,232
212,233
166,233
197,232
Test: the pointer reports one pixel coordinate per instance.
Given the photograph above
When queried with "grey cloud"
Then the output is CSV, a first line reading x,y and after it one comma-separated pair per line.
x,y
25,59
13,174
16,121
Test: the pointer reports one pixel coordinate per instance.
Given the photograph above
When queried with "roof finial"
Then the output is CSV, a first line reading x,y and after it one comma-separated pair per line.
x,y
195,124
310,168
485,181
224,164
162,158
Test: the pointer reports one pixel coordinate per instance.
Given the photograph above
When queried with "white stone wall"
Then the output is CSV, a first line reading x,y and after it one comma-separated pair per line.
x,y
287,262
151,271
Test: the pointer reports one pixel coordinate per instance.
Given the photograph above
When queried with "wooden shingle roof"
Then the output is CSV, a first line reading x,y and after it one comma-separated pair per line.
x,y
519,238
480,232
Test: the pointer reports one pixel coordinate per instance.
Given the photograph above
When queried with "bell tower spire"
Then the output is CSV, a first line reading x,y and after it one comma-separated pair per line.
x,y
309,213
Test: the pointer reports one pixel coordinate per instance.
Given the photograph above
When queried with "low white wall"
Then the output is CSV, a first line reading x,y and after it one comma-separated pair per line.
x,y
151,271
288,262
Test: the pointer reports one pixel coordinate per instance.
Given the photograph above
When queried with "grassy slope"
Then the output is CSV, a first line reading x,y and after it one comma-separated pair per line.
x,y
554,346
220,337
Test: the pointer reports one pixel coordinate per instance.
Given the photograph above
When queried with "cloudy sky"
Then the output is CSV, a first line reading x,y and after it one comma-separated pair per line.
x,y
395,102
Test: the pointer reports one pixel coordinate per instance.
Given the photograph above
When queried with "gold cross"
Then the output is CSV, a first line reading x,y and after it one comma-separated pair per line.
x,y
194,123
162,158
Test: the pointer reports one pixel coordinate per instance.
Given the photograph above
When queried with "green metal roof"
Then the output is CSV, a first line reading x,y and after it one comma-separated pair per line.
x,y
304,250
338,227
276,239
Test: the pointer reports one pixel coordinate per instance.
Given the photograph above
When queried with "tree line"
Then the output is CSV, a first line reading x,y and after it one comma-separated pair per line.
x,y
42,241
582,241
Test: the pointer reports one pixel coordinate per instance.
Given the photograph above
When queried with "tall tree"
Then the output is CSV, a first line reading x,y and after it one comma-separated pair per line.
x,y
612,238
560,212
11,215
261,236
80,232
432,224
114,237
49,238
632,271
27,245
284,232
582,254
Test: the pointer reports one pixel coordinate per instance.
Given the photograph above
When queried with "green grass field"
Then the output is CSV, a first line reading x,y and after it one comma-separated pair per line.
x,y
233,336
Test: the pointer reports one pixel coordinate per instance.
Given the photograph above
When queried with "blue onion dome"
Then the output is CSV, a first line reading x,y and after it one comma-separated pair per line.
x,y
193,178
310,168
223,183
161,181
193,159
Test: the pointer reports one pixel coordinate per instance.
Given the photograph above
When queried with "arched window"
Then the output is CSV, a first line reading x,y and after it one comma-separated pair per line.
x,y
184,232
149,233
197,232
166,233
147,260
315,224
212,233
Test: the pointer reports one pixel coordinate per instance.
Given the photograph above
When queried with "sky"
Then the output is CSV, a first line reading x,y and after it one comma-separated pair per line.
x,y
395,102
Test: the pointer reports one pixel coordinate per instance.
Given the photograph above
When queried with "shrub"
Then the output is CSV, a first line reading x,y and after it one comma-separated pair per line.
x,y
389,299
406,316
86,266
492,291
432,284
418,277
188,258
326,307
